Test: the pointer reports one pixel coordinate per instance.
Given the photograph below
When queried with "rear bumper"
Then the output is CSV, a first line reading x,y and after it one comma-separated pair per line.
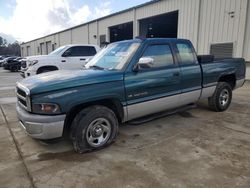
x,y
239,83
41,126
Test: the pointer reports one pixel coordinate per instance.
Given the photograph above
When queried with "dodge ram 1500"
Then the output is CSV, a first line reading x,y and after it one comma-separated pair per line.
x,y
125,81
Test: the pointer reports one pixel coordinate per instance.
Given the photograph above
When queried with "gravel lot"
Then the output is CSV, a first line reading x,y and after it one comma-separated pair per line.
x,y
196,148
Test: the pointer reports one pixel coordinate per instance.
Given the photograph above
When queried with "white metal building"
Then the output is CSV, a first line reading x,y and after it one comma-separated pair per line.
x,y
219,27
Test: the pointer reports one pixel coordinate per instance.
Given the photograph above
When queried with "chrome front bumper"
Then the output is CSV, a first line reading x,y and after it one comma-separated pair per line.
x,y
41,126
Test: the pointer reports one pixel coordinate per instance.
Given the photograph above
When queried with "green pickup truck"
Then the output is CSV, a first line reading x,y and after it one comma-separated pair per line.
x,y
125,81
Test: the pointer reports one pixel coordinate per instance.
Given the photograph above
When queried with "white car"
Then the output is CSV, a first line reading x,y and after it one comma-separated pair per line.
x,y
69,57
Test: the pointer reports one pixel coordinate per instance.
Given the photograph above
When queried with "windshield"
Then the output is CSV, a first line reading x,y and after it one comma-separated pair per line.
x,y
114,57
58,50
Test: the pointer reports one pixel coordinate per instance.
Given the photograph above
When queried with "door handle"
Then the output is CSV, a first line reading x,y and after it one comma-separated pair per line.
x,y
63,61
176,74
82,59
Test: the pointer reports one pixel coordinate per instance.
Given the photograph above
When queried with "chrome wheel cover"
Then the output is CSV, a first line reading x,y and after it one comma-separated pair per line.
x,y
224,97
98,132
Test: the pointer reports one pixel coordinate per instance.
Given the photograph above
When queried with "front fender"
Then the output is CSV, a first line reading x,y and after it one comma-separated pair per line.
x,y
71,97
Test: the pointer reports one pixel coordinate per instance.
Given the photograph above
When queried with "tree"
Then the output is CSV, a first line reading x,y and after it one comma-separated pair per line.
x,y
4,42
9,49
1,41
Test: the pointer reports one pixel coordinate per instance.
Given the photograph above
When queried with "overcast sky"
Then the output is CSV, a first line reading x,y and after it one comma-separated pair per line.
x,y
29,19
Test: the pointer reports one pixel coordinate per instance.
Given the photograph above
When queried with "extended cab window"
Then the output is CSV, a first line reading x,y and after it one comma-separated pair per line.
x,y
186,53
82,51
161,55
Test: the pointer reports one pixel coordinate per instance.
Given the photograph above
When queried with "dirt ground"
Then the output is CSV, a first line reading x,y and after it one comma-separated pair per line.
x,y
196,148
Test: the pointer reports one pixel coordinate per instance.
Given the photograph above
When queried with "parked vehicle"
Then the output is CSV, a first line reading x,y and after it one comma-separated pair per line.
x,y
7,61
14,65
125,81
66,57
2,59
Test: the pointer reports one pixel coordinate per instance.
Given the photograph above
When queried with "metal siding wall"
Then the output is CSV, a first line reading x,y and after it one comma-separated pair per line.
x,y
246,53
216,25
80,35
92,32
65,37
56,41
33,48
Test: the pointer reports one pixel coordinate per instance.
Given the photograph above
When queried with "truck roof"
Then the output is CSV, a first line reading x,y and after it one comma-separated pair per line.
x,y
139,39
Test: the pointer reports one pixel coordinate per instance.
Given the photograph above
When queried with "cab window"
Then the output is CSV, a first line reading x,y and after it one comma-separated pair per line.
x,y
161,55
185,53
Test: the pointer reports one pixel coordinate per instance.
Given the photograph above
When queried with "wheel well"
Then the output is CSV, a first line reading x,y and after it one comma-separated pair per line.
x,y
51,68
113,104
230,79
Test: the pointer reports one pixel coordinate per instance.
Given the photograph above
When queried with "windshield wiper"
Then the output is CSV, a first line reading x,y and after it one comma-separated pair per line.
x,y
96,67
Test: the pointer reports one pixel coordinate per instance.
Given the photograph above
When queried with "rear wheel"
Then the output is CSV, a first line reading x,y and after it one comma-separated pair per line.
x,y
93,128
221,99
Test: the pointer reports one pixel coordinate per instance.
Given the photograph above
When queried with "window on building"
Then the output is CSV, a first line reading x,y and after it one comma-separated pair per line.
x,y
48,47
186,53
161,55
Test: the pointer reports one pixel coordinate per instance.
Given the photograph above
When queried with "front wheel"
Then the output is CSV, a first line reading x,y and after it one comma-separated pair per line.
x,y
93,128
14,69
221,99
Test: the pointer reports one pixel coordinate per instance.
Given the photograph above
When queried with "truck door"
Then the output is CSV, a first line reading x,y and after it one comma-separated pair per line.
x,y
150,89
75,57
191,75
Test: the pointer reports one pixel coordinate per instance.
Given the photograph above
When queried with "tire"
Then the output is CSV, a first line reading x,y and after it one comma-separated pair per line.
x,y
14,69
222,97
93,128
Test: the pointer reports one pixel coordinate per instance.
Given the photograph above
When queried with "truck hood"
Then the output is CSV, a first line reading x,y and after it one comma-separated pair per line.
x,y
64,79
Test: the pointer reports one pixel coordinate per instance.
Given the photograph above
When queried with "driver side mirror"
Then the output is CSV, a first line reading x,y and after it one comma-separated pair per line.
x,y
144,63
67,53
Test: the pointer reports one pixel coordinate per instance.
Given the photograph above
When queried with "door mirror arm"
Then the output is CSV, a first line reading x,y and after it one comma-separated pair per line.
x,y
136,67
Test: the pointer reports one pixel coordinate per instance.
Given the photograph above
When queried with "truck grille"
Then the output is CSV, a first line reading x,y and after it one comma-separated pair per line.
x,y
23,98
23,64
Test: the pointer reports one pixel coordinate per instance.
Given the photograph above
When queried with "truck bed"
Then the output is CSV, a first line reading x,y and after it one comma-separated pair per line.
x,y
215,69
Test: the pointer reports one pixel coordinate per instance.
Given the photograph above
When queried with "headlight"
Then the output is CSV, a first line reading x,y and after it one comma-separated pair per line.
x,y
33,62
46,108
